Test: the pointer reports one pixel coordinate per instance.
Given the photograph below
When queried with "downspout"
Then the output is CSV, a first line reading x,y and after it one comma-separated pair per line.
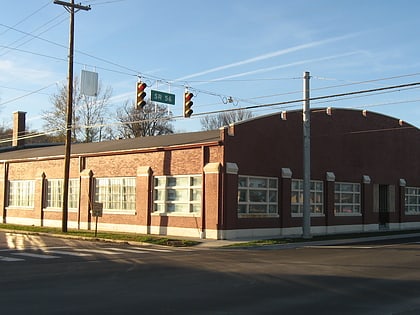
x,y
82,165
150,203
5,189
203,194
222,188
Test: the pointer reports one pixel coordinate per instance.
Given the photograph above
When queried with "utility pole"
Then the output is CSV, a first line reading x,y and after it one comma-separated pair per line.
x,y
70,7
306,227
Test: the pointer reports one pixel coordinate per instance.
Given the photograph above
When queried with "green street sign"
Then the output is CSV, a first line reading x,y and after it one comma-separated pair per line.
x,y
162,97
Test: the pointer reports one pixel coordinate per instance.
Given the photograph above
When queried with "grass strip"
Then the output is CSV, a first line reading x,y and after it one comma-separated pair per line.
x,y
277,241
129,237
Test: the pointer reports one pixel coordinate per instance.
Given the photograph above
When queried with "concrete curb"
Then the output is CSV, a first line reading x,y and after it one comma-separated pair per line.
x,y
224,243
340,241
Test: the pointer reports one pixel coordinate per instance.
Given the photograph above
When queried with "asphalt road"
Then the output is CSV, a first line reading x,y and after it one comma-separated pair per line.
x,y
44,275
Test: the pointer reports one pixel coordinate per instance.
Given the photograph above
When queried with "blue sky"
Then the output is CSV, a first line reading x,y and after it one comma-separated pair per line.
x,y
254,52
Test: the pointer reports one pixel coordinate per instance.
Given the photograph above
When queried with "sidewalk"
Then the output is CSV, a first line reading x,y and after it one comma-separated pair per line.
x,y
207,243
212,243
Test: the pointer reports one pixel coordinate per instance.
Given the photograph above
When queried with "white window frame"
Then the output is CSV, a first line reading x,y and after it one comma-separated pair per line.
x,y
317,198
21,194
117,194
252,187
340,193
412,201
54,194
178,195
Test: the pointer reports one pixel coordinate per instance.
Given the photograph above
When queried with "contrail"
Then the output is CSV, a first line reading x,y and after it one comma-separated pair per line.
x,y
297,63
266,56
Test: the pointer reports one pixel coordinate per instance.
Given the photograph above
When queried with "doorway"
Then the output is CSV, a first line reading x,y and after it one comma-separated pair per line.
x,y
383,205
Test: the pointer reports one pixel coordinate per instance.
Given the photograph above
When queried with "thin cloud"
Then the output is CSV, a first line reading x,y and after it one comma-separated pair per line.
x,y
266,56
297,63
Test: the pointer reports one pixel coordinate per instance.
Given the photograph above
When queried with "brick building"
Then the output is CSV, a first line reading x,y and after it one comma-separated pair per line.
x,y
244,180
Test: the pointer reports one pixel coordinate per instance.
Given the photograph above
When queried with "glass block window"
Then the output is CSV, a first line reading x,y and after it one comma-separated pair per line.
x,y
178,194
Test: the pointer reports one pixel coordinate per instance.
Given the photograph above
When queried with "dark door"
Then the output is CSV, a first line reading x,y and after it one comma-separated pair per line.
x,y
383,206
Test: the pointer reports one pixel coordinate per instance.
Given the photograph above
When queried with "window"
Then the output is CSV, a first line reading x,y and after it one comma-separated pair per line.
x,y
21,193
178,194
117,194
412,200
55,193
257,195
347,198
316,199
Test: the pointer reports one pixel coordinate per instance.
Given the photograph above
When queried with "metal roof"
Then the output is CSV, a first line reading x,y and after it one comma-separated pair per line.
x,y
179,139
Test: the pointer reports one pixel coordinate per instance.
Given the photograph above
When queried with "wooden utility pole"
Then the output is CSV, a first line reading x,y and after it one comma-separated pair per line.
x,y
70,7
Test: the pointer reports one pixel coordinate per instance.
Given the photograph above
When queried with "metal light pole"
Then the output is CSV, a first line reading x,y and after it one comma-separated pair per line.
x,y
70,7
306,227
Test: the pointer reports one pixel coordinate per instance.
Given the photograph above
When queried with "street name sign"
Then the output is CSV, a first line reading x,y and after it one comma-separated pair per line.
x,y
162,97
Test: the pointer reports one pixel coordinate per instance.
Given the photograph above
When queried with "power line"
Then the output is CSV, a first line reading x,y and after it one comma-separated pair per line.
x,y
25,95
105,2
363,82
220,111
359,96
171,82
34,36
32,53
21,90
26,18
318,98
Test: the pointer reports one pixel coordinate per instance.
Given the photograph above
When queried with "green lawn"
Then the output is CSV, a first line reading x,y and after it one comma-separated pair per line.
x,y
158,240
128,237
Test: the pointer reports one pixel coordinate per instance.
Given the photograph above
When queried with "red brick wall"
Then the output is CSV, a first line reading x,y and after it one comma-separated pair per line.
x,y
163,162
346,143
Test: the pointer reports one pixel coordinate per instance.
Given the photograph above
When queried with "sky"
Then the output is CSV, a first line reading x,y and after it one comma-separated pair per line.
x,y
230,54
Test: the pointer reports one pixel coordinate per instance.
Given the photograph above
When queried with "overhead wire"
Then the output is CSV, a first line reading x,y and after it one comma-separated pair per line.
x,y
134,72
172,83
209,92
25,95
105,2
261,106
401,86
21,90
32,38
27,17
169,82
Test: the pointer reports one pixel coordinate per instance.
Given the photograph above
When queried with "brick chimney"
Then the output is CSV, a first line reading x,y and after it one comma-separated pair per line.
x,y
19,126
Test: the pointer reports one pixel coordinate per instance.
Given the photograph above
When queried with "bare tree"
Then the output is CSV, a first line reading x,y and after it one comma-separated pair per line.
x,y
55,119
89,114
5,136
224,118
153,120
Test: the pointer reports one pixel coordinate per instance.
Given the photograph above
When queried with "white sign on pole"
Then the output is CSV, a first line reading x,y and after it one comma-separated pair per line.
x,y
89,83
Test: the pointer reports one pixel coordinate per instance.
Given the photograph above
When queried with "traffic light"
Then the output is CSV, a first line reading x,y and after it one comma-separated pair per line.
x,y
188,103
141,94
